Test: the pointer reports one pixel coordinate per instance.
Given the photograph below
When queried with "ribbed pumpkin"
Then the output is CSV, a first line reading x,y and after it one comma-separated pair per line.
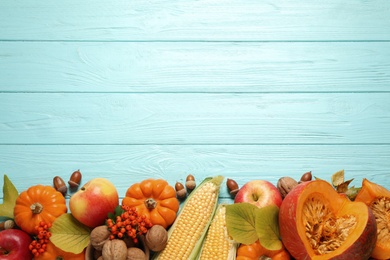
x,y
38,203
256,250
54,253
154,198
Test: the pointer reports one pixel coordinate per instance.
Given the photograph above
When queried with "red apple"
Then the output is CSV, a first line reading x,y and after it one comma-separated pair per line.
x,y
91,204
260,193
14,245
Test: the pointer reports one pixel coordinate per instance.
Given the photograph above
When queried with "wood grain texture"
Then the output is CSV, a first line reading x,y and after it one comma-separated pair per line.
x,y
127,164
248,89
179,118
193,20
194,67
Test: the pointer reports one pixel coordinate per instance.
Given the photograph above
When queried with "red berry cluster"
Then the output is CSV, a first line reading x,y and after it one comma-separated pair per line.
x,y
128,223
38,245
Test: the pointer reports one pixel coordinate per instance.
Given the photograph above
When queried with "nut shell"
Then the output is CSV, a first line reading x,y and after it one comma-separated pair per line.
x,y
190,182
99,235
307,176
181,192
156,238
59,185
134,253
114,250
285,185
75,179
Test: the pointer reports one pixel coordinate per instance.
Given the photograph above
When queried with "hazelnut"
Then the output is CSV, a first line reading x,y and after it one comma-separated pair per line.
x,y
232,187
181,192
190,182
134,253
114,250
75,179
156,238
59,185
8,224
285,185
306,177
99,235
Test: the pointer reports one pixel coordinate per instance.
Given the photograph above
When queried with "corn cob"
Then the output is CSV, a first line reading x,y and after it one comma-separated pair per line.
x,y
189,229
218,245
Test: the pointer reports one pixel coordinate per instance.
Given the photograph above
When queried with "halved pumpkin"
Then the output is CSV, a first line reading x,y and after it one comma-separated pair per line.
x,y
315,222
378,199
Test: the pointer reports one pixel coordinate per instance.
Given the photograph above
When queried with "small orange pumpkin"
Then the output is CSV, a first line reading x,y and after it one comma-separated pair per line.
x,y
54,253
155,199
38,203
256,250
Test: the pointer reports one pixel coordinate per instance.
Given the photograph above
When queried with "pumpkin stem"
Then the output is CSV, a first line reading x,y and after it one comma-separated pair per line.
x,y
36,208
150,203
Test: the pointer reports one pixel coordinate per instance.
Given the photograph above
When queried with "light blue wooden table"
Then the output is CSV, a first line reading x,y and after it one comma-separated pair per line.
x,y
248,89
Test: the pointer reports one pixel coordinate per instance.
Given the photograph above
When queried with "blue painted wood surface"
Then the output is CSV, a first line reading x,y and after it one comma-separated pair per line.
x,y
247,89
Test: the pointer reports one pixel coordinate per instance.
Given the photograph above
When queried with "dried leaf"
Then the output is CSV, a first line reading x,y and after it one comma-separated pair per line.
x,y
338,178
10,194
352,192
70,235
343,187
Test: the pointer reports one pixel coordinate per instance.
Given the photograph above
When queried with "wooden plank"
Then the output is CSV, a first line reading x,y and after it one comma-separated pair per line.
x,y
194,67
195,20
127,164
194,118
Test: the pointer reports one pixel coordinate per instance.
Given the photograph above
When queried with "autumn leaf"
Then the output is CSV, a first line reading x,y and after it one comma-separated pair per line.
x,y
338,178
267,227
70,235
10,194
240,222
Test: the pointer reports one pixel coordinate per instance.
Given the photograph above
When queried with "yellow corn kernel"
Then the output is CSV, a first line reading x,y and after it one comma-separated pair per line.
x,y
217,245
190,226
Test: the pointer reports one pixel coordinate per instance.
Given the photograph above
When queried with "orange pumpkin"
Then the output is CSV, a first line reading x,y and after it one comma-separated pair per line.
x,y
256,250
54,253
377,198
38,203
155,199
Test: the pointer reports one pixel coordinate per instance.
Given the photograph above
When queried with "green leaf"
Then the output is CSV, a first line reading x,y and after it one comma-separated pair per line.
x,y
267,227
70,235
240,222
10,194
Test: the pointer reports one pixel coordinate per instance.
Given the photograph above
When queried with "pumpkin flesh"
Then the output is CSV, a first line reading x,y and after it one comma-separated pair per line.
x,y
378,199
317,223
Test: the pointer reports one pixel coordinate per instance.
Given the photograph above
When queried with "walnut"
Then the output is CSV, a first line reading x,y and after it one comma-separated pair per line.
x,y
134,253
99,235
156,238
114,250
285,185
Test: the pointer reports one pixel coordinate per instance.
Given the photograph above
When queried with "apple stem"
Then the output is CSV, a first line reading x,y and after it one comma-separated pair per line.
x,y
36,208
150,203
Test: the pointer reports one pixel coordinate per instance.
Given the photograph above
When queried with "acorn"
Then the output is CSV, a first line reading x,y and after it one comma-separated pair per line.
x,y
190,182
59,185
75,179
232,187
181,192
